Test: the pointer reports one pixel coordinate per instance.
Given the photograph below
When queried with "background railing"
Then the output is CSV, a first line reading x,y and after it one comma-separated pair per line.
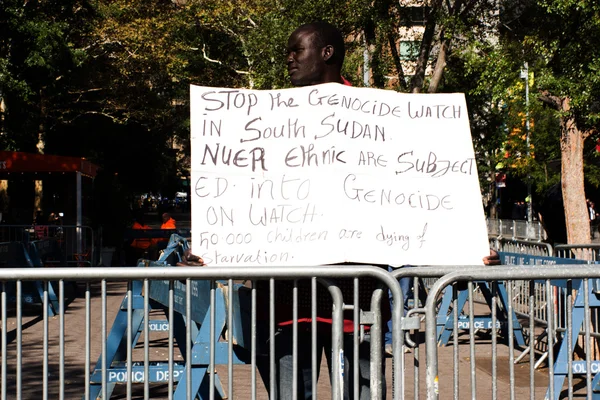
x,y
516,229
75,243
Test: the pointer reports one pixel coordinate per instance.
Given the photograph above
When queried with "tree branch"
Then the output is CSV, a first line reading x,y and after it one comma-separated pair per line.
x,y
207,58
111,117
397,62
440,65
589,132
550,100
416,83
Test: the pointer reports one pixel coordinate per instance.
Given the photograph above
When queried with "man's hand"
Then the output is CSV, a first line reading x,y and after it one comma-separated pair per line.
x,y
190,260
492,259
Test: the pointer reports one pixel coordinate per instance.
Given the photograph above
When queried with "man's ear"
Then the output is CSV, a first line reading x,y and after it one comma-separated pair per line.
x,y
327,52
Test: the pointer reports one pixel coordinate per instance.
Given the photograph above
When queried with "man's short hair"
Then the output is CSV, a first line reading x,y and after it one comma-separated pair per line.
x,y
327,34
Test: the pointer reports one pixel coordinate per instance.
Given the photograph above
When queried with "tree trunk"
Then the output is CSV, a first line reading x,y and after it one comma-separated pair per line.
x,y
440,65
41,143
416,83
572,177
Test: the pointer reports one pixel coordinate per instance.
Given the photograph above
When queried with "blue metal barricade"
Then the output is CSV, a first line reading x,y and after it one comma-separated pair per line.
x,y
211,327
578,319
76,243
15,255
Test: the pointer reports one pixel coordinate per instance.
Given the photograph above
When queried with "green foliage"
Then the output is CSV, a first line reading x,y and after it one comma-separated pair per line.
x,y
266,41
569,55
37,51
109,79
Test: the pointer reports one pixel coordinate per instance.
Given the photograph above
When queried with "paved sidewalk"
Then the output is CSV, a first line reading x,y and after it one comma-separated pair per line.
x,y
75,346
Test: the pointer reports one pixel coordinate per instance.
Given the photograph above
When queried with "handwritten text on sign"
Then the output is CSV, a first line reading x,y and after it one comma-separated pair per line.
x,y
330,173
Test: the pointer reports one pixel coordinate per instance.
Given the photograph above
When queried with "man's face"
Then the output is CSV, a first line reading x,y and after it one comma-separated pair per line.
x,y
304,60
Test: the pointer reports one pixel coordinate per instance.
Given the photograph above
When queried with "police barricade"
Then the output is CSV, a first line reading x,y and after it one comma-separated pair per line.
x,y
16,255
146,243
46,253
76,243
532,248
524,290
567,297
589,252
516,229
199,357
439,379
448,303
521,246
490,314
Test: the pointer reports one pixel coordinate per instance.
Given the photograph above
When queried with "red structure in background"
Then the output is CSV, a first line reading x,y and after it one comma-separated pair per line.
x,y
15,161
67,184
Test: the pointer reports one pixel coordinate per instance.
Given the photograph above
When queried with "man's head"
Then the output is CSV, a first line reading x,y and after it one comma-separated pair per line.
x,y
315,54
166,217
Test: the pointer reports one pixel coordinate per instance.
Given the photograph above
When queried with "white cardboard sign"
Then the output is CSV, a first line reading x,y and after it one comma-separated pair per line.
x,y
329,173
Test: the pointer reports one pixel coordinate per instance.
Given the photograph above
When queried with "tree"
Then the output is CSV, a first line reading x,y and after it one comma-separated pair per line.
x,y
564,46
556,38
412,42
109,80
37,52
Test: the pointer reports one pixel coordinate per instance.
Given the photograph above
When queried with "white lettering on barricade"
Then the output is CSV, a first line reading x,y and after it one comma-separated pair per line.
x,y
481,324
121,376
331,173
158,326
579,367
156,375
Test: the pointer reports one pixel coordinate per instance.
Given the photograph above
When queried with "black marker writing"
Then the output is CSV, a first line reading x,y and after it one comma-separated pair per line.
x,y
239,159
277,101
307,156
438,111
284,189
228,100
382,196
373,107
352,129
281,213
391,238
289,130
434,166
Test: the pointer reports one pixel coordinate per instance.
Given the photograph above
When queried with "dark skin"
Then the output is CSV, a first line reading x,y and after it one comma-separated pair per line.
x,y
309,64
492,259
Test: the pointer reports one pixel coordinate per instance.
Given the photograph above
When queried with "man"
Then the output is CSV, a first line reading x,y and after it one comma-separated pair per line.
x,y
315,54
167,223
593,218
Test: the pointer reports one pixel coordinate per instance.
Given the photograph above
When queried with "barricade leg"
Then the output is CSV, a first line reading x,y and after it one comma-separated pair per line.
x,y
502,317
53,307
200,361
116,342
596,387
561,364
445,318
116,349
